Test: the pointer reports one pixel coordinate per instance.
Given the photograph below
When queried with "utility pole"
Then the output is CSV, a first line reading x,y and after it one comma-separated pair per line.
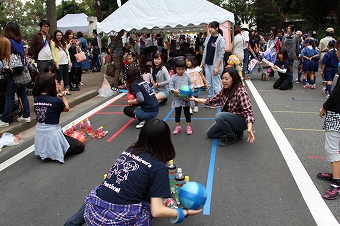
x,y
97,3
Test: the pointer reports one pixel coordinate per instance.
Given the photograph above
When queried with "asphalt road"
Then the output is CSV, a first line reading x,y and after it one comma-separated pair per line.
x,y
269,182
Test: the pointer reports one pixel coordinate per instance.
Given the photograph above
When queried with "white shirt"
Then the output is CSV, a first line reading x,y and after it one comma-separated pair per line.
x,y
62,57
245,35
45,52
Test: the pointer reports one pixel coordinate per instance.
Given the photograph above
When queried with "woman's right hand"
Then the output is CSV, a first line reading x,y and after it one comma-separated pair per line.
x,y
193,212
56,66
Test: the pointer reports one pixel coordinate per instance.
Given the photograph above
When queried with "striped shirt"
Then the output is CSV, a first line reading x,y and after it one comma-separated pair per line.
x,y
238,104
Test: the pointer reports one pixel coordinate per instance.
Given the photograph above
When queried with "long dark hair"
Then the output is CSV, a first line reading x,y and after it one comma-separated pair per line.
x,y
60,43
45,82
236,81
132,74
66,35
274,29
216,25
155,138
192,59
155,56
12,30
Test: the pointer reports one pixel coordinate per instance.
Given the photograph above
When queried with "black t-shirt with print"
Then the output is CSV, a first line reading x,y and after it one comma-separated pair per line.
x,y
134,179
211,48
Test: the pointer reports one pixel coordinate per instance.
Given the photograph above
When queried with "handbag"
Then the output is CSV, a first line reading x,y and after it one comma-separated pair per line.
x,y
80,57
14,65
23,78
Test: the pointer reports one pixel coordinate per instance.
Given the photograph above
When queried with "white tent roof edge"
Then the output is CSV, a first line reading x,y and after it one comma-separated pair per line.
x,y
164,15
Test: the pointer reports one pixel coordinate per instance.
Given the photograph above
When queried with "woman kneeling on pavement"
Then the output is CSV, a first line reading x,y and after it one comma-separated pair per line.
x,y
49,141
237,113
144,106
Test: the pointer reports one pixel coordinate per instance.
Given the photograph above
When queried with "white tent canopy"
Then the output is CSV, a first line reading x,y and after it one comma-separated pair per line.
x,y
74,22
164,15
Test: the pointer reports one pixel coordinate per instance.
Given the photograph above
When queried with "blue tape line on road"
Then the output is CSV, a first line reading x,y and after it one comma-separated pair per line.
x,y
167,116
210,179
293,99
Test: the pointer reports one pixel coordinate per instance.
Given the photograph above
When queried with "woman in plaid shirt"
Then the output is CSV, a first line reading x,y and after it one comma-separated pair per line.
x,y
237,113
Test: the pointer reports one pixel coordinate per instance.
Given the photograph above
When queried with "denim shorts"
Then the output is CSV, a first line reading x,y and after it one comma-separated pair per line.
x,y
197,92
165,92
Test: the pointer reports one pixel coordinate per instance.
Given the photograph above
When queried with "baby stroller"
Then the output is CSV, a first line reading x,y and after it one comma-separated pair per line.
x,y
256,61
17,107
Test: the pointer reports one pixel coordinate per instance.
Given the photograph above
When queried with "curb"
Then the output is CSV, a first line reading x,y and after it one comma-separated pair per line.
x,y
19,127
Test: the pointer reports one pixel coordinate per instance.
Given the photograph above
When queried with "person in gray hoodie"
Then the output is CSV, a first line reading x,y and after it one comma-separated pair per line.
x,y
290,42
213,56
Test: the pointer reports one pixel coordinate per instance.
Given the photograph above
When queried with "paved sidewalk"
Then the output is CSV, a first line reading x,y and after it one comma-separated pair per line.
x,y
92,82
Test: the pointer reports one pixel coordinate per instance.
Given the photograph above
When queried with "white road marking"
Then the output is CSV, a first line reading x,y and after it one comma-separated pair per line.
x,y
317,206
30,149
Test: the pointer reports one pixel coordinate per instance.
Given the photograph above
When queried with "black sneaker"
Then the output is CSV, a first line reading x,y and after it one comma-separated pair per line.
x,y
239,135
163,102
227,141
325,176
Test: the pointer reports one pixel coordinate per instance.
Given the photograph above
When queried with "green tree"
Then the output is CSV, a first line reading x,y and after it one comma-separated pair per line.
x,y
266,15
243,11
11,10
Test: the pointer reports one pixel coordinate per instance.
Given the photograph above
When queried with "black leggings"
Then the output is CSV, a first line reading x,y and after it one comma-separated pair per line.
x,y
75,76
178,112
76,147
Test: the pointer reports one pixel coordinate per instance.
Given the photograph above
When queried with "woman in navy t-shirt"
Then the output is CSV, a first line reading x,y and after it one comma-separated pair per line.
x,y
145,105
137,183
49,141
282,67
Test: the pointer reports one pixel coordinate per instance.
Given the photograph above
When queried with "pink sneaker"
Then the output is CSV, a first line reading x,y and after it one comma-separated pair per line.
x,y
177,130
189,130
304,87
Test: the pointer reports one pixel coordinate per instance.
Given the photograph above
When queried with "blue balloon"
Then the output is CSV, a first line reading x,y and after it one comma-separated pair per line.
x,y
192,195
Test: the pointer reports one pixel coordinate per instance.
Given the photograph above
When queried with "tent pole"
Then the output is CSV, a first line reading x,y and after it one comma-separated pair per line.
x,y
232,35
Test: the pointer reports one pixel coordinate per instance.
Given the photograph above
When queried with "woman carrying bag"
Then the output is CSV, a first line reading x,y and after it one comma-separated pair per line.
x,y
13,33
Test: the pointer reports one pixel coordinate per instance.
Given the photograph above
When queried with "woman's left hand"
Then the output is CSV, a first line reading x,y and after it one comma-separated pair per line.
x,y
215,71
251,136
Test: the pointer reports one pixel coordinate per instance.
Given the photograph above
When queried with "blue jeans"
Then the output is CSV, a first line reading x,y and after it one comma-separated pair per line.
x,y
77,219
245,62
62,74
10,91
144,115
226,124
136,111
95,61
214,81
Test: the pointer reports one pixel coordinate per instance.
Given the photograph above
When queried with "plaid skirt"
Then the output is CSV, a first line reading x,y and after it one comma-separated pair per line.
x,y
100,212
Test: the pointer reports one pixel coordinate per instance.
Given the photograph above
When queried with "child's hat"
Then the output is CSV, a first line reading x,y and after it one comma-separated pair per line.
x,y
245,27
330,30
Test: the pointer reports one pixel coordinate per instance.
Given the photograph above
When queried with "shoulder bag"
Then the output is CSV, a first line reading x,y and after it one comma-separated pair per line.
x,y
23,78
80,56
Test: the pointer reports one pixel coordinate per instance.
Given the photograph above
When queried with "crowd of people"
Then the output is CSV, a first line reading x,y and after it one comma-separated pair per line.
x,y
150,73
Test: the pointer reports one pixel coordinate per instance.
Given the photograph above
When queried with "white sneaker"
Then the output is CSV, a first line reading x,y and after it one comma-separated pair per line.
x,y
22,119
190,111
3,124
195,110
140,125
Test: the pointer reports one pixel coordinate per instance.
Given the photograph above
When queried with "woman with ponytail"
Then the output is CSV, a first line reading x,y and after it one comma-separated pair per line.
x,y
212,60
